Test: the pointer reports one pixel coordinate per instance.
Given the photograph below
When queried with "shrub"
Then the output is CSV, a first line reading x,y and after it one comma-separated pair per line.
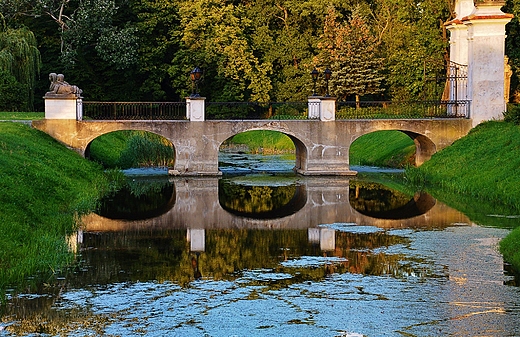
x,y
512,114
12,93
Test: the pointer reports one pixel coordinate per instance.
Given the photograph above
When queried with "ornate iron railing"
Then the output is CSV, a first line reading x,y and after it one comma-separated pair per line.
x,y
134,110
389,109
253,110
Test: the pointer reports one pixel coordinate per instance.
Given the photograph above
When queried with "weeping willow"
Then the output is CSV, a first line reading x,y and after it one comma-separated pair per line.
x,y
20,58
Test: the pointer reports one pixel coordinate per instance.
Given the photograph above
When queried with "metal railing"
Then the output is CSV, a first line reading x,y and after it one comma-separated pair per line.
x,y
406,110
134,110
252,110
274,110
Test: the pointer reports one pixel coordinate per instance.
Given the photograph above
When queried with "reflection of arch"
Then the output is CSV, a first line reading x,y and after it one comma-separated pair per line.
x,y
147,208
297,202
418,205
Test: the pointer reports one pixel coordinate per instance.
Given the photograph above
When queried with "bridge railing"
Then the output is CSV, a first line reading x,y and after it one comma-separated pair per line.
x,y
392,109
134,110
253,110
274,110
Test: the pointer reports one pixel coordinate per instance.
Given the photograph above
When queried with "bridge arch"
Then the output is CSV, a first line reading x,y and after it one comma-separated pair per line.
x,y
300,147
429,135
87,150
424,146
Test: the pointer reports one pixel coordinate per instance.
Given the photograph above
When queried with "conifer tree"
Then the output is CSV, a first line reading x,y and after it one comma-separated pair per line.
x,y
350,51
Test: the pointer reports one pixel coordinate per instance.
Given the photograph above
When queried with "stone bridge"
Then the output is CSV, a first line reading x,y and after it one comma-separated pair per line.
x,y
322,148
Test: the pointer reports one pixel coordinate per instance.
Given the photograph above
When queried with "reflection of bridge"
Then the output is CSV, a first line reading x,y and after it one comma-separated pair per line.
x,y
324,201
322,147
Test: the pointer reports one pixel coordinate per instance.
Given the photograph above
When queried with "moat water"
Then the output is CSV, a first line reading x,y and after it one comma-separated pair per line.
x,y
263,252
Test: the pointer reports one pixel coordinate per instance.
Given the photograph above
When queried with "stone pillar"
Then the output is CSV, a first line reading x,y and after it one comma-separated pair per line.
x,y
59,106
313,105
486,50
195,109
328,109
459,32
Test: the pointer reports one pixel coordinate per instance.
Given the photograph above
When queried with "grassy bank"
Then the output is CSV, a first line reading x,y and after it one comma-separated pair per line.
x,y
383,149
263,141
44,186
482,166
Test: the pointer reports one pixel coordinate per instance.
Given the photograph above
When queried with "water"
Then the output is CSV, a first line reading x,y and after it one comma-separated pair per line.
x,y
263,253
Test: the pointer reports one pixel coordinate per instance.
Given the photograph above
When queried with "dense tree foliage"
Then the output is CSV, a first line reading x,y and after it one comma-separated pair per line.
x,y
262,50
19,64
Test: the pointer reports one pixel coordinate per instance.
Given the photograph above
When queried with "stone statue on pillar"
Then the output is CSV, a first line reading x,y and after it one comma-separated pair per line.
x,y
59,87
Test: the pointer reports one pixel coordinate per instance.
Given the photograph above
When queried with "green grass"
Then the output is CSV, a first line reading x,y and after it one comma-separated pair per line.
x,y
44,187
11,116
383,149
509,247
107,149
482,165
264,141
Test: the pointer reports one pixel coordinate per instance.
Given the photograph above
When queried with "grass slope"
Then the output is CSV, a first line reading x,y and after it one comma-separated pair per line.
x,y
383,149
11,116
483,165
263,141
44,186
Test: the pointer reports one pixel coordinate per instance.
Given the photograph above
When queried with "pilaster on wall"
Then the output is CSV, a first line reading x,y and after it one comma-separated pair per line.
x,y
486,50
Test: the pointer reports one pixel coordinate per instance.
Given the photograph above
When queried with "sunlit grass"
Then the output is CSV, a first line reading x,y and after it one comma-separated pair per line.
x,y
10,116
483,165
44,186
264,141
383,149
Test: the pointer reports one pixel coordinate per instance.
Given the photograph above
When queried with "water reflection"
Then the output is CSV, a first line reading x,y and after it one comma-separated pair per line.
x,y
242,198
214,243
140,198
378,201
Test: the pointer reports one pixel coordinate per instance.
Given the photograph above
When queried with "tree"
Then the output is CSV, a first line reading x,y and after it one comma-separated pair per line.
x,y
350,50
216,34
513,47
19,60
414,44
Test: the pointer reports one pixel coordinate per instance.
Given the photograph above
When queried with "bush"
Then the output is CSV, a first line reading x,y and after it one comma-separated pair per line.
x,y
512,114
12,93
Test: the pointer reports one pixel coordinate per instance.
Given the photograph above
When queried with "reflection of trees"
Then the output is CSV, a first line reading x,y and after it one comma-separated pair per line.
x,y
146,255
254,199
165,255
139,199
374,197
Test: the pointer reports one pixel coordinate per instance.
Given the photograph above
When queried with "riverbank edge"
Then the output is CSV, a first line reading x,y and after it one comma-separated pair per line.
x,y
479,165
48,187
